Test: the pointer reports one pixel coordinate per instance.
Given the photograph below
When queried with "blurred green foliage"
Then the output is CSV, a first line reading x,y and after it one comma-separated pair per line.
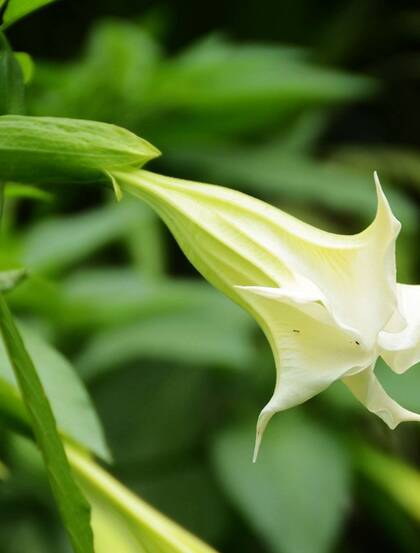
x,y
178,374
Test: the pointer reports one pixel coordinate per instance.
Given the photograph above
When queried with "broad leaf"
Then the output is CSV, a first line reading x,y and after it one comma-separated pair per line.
x,y
157,411
297,494
74,509
200,336
70,403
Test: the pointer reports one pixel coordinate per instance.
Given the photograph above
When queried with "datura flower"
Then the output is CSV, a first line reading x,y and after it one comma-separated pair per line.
x,y
329,304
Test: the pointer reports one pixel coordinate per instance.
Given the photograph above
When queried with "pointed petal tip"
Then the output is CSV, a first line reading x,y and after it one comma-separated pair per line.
x,y
263,420
379,190
383,209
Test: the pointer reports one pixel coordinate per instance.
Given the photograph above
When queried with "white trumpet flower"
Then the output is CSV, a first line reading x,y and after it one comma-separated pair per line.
x,y
329,304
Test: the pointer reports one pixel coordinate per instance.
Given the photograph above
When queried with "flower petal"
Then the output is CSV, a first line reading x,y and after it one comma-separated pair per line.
x,y
321,298
401,350
368,390
310,350
234,239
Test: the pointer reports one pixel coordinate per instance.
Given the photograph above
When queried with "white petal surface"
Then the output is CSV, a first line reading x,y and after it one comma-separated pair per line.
x,y
234,239
401,350
368,390
310,350
322,299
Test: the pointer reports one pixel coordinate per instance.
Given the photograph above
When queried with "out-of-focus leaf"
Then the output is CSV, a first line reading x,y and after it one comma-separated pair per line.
x,y
16,190
395,477
296,496
11,80
10,279
54,244
405,387
212,90
4,472
157,411
120,61
24,533
398,164
70,403
203,336
100,298
267,171
146,244
16,9
74,509
122,522
26,65
187,494
215,72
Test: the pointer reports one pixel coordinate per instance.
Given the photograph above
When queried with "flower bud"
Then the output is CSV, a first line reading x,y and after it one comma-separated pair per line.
x,y
41,150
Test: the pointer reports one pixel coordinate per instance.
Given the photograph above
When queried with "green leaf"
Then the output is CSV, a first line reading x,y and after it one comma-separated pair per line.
x,y
157,411
120,59
168,489
39,150
16,9
398,479
70,403
16,190
10,279
122,522
205,336
400,165
26,65
11,80
75,510
4,471
112,297
404,387
212,90
251,74
297,494
57,243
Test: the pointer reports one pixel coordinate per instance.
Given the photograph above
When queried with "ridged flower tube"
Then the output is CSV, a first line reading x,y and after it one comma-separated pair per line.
x,y
329,304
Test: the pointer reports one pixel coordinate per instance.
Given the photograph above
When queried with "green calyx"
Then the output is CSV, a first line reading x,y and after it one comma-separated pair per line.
x,y
47,150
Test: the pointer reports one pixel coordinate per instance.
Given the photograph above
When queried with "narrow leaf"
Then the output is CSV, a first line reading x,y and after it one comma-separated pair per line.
x,y
16,190
124,522
16,9
75,510
11,80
